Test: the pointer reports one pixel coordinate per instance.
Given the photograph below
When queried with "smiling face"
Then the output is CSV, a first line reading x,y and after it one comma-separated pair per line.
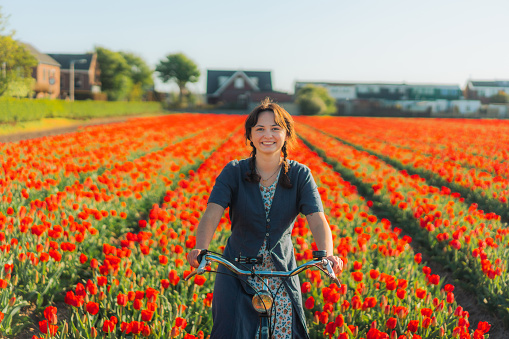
x,y
267,136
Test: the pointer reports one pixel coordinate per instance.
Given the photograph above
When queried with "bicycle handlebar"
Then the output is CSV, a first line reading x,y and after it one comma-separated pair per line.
x,y
323,264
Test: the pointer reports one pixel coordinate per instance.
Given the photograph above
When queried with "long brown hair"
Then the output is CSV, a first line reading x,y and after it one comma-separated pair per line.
x,y
282,119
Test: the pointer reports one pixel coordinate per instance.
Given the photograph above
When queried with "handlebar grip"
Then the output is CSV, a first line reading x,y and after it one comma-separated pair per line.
x,y
319,254
200,256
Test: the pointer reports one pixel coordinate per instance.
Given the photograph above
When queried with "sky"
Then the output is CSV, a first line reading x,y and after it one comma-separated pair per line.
x,y
388,41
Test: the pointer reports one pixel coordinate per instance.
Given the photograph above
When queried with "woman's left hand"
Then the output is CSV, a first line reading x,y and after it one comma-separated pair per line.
x,y
337,264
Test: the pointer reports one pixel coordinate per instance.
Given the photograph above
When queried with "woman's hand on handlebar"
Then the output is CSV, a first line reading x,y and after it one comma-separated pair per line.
x,y
192,257
337,264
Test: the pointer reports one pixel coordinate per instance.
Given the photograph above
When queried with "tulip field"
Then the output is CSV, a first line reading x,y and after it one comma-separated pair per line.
x,y
95,226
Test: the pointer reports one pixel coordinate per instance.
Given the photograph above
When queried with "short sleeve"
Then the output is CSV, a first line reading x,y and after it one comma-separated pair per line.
x,y
310,200
222,192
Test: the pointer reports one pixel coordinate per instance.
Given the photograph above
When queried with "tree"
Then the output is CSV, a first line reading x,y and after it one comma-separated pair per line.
x,y
500,98
115,74
124,76
315,100
140,74
179,68
16,64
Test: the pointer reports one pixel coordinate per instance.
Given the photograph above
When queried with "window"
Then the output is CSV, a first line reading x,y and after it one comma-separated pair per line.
x,y
77,82
239,83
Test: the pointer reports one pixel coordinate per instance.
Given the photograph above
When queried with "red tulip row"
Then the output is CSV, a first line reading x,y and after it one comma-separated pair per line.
x,y
41,244
470,142
386,291
172,224
137,287
469,241
32,168
130,285
485,178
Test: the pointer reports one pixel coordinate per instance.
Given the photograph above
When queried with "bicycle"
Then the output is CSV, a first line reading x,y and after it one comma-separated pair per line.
x,y
263,301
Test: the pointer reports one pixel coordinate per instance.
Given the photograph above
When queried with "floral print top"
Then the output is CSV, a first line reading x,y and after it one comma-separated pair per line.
x,y
282,315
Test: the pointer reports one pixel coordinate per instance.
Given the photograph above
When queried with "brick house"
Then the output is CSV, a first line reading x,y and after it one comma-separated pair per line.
x,y
236,89
46,74
87,83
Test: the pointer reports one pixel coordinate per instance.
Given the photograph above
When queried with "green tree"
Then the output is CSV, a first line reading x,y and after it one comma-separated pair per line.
x,y
315,100
116,79
140,74
179,68
16,64
500,98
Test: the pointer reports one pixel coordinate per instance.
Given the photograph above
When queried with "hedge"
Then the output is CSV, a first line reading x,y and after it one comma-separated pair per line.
x,y
15,110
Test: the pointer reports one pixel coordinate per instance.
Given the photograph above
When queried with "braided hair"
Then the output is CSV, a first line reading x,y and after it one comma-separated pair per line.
x,y
284,120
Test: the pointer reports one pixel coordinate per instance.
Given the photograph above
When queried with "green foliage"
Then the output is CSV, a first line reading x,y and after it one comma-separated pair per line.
x,y
20,87
500,98
178,68
15,64
26,109
3,21
140,72
124,76
314,100
115,74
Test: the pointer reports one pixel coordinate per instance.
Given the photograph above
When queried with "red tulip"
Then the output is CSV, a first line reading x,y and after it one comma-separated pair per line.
x,y
420,293
310,303
305,287
121,299
413,325
92,307
391,323
50,313
108,326
146,315
47,328
199,280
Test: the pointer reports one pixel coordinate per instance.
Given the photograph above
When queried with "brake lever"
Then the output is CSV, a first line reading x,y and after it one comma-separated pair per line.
x,y
201,269
330,272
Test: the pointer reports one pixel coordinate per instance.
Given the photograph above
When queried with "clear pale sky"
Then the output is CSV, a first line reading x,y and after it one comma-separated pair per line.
x,y
432,41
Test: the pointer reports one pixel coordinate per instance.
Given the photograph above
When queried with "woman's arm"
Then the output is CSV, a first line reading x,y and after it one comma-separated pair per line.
x,y
206,229
321,231
323,238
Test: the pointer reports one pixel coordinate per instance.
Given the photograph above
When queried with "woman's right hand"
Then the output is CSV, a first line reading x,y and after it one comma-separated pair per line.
x,y
192,257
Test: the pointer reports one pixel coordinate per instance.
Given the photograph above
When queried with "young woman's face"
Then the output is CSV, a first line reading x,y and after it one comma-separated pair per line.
x,y
267,136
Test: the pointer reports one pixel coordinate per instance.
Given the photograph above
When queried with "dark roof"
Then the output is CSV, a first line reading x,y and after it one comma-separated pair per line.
x,y
496,83
301,83
65,60
264,79
41,57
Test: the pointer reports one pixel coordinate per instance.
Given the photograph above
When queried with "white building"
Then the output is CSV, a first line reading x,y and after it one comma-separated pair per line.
x,y
483,90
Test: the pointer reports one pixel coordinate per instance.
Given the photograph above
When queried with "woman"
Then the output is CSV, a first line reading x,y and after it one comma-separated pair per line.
x,y
265,194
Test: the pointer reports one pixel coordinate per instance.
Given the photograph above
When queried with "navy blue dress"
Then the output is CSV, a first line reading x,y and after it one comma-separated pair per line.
x,y
232,310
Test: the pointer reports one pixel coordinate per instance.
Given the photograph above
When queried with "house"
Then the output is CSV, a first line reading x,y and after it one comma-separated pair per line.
x,y
377,98
387,92
484,90
86,75
46,74
339,91
236,89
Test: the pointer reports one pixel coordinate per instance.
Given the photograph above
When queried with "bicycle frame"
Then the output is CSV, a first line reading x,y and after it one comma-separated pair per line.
x,y
319,261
